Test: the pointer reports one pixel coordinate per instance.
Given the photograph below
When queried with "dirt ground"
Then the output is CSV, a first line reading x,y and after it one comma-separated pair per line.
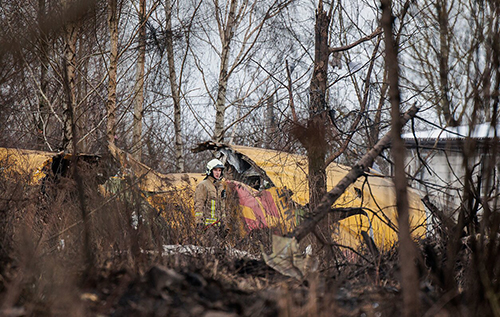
x,y
218,285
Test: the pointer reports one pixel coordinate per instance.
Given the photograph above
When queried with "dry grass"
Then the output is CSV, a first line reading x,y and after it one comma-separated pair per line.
x,y
45,272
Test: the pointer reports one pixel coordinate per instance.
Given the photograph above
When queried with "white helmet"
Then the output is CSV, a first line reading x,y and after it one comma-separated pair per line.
x,y
215,163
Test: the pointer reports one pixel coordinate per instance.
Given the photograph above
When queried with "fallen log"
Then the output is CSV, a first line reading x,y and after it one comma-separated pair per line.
x,y
310,222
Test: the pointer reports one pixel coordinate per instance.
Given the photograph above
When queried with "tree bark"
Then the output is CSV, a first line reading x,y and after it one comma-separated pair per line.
x,y
220,104
175,89
315,143
44,66
443,56
290,92
82,115
316,147
112,70
139,84
317,89
70,39
70,139
407,249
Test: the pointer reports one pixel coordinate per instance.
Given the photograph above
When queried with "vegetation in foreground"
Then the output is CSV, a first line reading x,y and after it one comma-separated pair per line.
x,y
116,264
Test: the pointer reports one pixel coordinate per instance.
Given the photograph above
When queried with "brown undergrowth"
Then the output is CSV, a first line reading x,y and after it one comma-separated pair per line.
x,y
151,261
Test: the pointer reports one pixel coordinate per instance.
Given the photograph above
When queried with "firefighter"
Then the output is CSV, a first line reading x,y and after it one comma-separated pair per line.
x,y
209,197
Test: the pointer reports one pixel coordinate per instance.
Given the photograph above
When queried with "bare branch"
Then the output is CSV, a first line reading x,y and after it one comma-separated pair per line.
x,y
375,33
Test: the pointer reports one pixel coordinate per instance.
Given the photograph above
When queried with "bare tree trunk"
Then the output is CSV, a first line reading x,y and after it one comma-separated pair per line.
x,y
220,105
315,135
175,89
44,65
407,249
317,89
235,126
70,39
82,116
139,85
112,70
443,56
70,140
316,147
290,92
375,127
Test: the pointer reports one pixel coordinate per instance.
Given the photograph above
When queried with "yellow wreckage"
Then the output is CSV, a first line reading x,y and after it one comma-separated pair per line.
x,y
31,166
271,188
373,196
25,165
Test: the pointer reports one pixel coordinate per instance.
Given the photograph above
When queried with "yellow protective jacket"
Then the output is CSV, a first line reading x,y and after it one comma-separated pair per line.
x,y
209,201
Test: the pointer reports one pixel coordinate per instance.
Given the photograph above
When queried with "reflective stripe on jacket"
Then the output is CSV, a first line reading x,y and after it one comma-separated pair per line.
x,y
209,204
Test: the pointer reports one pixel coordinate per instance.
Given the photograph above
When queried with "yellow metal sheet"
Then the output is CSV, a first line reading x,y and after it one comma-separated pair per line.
x,y
27,164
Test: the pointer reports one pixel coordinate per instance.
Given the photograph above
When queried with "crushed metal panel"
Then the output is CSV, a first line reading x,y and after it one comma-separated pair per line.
x,y
234,160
